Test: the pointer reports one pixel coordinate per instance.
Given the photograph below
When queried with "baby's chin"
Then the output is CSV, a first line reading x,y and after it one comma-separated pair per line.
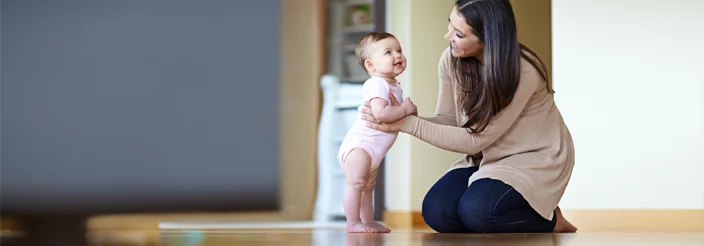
x,y
398,71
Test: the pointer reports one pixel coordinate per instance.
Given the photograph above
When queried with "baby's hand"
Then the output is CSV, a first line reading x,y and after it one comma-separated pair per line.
x,y
409,106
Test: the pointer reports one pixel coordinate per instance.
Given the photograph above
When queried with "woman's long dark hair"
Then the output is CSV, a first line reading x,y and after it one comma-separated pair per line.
x,y
489,87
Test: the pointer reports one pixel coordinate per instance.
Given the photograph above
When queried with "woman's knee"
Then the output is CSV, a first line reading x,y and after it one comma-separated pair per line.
x,y
439,208
478,207
434,211
440,215
476,214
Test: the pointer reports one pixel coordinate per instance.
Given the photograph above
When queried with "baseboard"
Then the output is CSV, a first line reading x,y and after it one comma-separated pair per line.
x,y
404,220
637,220
152,221
593,220
10,224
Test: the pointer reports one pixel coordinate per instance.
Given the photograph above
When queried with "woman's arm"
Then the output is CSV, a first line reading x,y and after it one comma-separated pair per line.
x,y
459,139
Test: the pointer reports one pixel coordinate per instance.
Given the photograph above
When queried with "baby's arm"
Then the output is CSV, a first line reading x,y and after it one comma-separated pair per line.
x,y
384,112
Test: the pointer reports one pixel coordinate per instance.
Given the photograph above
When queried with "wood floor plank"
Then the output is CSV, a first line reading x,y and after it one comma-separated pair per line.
x,y
332,237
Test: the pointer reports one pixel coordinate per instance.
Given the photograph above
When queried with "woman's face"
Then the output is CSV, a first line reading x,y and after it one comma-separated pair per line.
x,y
464,42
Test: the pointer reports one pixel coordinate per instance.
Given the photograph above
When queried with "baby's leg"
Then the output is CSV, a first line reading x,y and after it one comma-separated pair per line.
x,y
367,213
356,165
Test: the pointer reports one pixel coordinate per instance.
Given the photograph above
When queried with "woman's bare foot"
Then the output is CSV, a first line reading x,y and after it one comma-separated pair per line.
x,y
358,227
561,224
379,227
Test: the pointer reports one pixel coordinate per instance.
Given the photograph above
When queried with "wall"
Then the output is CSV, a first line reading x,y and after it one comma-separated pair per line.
x,y
629,78
533,20
414,166
119,105
302,43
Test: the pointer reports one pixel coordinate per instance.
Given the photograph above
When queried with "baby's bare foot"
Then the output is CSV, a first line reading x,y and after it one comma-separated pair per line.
x,y
562,225
358,227
379,227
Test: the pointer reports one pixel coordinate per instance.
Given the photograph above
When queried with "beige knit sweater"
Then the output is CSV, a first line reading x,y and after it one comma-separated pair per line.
x,y
527,145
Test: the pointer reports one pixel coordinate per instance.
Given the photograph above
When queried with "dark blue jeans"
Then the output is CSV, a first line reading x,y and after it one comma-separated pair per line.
x,y
486,206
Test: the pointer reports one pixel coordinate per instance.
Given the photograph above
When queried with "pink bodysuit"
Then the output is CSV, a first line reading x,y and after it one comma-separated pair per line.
x,y
375,142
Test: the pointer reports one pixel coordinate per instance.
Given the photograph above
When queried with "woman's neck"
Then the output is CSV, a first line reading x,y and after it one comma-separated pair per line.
x,y
480,57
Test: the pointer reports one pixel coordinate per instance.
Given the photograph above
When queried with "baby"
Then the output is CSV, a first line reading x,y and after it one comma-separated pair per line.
x,y
363,148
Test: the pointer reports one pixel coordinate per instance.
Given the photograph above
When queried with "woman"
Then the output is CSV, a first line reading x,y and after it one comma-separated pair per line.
x,y
496,106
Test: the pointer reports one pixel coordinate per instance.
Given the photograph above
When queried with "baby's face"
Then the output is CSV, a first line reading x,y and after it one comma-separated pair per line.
x,y
386,58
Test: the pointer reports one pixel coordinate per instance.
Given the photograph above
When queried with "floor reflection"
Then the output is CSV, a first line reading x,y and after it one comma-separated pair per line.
x,y
334,237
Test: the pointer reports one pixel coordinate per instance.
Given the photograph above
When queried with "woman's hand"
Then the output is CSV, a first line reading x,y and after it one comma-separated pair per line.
x,y
373,123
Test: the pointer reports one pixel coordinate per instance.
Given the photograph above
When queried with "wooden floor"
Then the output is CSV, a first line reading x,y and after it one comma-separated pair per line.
x,y
332,237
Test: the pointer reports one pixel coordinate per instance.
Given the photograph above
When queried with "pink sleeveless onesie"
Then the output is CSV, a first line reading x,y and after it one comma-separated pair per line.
x,y
376,143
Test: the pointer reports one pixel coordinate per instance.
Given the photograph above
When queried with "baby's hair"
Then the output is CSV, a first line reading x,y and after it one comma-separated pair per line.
x,y
362,45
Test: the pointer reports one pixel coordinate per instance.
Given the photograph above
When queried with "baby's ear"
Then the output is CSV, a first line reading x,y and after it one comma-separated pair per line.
x,y
368,65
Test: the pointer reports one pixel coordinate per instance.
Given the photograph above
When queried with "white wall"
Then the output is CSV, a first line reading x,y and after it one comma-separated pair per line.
x,y
628,76
397,180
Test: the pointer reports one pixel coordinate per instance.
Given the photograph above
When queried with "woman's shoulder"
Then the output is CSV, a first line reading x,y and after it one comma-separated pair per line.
x,y
444,64
530,73
446,56
527,61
